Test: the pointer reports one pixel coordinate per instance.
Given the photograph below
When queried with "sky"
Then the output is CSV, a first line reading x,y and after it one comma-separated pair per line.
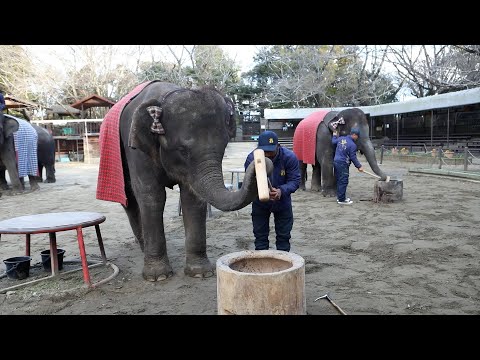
x,y
242,54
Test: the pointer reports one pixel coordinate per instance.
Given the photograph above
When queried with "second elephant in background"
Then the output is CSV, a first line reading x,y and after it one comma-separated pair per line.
x,y
45,154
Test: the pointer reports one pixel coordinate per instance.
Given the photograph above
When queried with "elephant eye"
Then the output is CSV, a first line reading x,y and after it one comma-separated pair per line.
x,y
183,150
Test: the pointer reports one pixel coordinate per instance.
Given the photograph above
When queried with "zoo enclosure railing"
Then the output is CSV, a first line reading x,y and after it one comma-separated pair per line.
x,y
436,157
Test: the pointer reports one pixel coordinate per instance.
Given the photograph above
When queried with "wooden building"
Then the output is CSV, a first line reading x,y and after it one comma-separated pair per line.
x,y
77,137
450,116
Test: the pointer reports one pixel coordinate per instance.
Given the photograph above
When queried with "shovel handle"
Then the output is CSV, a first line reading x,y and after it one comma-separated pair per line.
x,y
371,174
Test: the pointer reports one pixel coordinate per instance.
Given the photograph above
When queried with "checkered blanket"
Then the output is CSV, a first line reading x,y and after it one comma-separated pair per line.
x,y
26,142
110,182
305,136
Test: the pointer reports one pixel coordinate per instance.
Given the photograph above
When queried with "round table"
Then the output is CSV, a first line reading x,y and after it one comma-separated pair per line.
x,y
52,223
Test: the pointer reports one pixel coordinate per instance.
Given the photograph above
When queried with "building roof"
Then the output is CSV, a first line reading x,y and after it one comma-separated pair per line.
x,y
16,103
93,101
457,98
63,110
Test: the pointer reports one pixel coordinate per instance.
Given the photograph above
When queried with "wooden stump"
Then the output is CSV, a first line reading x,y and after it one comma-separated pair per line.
x,y
388,191
266,282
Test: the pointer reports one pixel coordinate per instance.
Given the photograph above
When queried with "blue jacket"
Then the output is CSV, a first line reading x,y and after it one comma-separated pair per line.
x,y
285,176
346,150
2,102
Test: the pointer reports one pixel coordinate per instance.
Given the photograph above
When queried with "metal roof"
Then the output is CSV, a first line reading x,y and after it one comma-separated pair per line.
x,y
457,98
63,110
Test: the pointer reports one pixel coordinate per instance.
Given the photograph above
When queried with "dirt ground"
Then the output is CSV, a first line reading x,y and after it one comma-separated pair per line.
x,y
415,256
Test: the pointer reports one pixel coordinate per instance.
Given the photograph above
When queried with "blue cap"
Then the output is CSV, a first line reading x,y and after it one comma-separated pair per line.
x,y
355,131
267,141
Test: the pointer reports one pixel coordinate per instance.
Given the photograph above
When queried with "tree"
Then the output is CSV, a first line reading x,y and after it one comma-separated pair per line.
x,y
16,71
192,66
437,69
85,70
320,76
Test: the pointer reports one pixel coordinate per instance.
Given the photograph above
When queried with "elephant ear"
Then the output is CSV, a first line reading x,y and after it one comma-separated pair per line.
x,y
9,126
230,118
146,126
335,123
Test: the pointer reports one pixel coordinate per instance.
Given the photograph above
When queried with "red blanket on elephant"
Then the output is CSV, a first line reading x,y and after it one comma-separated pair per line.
x,y
110,183
305,136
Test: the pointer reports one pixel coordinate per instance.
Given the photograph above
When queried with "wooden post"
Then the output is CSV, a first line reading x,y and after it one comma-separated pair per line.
x,y
465,163
439,157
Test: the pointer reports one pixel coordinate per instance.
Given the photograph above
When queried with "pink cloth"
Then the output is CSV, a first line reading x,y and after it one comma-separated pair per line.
x,y
305,136
110,183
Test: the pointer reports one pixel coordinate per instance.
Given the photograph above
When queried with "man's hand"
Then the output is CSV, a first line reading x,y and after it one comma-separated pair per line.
x,y
275,194
360,169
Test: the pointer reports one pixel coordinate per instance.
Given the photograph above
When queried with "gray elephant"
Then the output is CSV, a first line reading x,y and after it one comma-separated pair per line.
x,y
27,154
323,178
171,135
45,154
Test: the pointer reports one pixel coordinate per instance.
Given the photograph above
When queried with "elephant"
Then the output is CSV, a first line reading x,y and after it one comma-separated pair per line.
x,y
169,136
45,154
323,178
8,156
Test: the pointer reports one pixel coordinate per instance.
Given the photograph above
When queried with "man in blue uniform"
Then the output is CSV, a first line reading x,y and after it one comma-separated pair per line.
x,y
285,180
2,106
345,153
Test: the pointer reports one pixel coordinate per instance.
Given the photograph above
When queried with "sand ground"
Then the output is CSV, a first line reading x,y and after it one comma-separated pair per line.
x,y
415,256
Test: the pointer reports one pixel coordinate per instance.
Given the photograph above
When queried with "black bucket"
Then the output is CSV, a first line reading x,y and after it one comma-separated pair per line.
x,y
18,268
46,259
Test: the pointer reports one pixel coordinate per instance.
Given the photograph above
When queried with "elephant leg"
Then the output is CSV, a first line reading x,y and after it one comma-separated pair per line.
x,y
303,174
316,177
10,163
3,180
329,184
194,221
50,173
151,198
33,182
40,173
133,214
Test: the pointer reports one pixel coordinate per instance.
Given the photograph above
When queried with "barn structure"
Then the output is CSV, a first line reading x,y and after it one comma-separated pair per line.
x,y
77,137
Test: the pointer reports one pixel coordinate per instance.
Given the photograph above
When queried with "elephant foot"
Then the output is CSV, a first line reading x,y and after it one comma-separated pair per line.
x,y
156,269
34,187
17,191
302,187
329,192
50,180
199,267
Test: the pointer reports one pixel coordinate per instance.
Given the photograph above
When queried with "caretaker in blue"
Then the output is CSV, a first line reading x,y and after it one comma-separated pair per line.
x,y
345,153
285,180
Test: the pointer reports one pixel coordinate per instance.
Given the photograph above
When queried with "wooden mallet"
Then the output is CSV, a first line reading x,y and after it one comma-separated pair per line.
x,y
261,175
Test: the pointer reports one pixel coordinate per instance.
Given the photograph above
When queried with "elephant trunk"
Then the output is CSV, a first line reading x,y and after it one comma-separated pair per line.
x,y
369,152
210,186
